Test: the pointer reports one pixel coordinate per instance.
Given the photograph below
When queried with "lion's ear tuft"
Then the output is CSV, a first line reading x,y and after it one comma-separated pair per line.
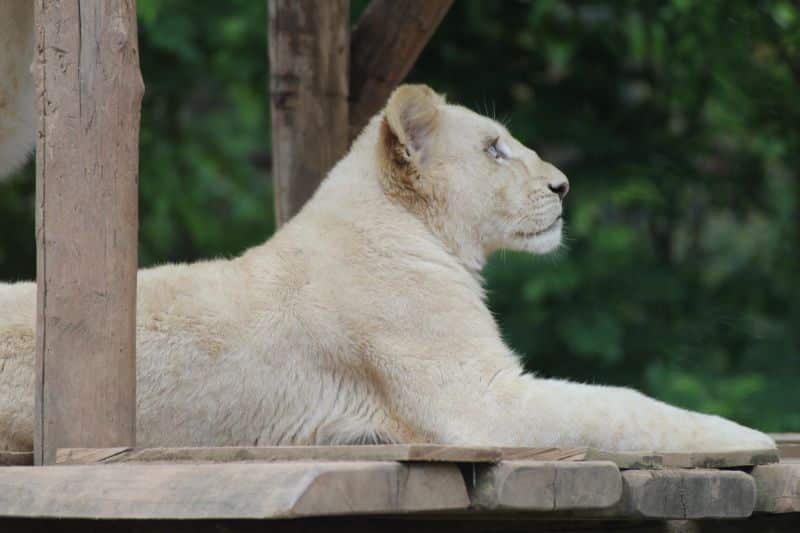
x,y
412,113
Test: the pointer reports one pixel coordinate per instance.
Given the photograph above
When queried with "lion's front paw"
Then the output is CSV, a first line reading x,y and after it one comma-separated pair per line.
x,y
714,433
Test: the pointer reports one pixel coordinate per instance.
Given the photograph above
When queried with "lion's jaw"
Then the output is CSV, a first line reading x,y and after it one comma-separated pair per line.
x,y
476,187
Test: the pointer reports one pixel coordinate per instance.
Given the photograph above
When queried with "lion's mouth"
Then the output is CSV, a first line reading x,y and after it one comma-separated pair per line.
x,y
532,234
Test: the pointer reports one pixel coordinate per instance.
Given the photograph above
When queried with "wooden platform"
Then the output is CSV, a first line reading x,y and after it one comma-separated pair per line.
x,y
417,453
415,481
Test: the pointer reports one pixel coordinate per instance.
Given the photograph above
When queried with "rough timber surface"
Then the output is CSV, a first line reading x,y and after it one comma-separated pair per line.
x,y
391,452
778,487
685,494
229,491
421,453
545,486
89,91
16,458
788,444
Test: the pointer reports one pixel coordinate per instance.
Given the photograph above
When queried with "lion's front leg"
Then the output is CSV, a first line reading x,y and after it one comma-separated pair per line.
x,y
615,418
482,400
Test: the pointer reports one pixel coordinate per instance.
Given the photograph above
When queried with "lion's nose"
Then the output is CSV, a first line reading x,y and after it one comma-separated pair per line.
x,y
561,188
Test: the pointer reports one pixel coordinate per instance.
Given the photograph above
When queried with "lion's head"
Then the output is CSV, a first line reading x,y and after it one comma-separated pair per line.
x,y
476,186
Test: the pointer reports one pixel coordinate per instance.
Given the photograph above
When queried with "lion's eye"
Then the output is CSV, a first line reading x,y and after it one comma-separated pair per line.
x,y
497,149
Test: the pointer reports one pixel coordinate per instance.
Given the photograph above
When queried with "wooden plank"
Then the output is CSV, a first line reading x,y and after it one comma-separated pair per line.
x,y
392,452
789,451
89,91
788,444
545,486
778,487
86,456
646,460
728,459
309,53
16,458
786,438
418,452
685,495
229,491
386,42
628,460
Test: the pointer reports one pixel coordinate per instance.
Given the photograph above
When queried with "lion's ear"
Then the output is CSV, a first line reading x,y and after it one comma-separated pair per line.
x,y
412,114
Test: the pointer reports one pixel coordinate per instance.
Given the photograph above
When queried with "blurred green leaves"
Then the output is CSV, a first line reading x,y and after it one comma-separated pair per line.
x,y
676,120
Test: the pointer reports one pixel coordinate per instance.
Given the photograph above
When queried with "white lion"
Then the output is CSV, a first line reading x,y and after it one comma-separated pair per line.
x,y
363,319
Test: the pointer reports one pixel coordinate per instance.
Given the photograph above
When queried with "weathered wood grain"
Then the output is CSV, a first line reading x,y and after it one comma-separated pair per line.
x,y
545,486
234,491
778,487
16,458
386,42
646,460
787,438
417,452
391,452
627,460
89,91
788,445
685,494
87,456
728,459
309,48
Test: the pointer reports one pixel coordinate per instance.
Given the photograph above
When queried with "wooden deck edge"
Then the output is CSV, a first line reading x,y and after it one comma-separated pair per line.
x,y
778,488
229,491
262,490
419,453
16,458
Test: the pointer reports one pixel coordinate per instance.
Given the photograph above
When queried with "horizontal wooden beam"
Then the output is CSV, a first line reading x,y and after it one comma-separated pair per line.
x,y
545,486
423,453
257,490
778,487
385,44
16,458
228,491
685,495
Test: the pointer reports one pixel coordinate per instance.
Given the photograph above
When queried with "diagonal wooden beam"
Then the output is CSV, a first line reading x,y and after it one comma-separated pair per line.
x,y
384,46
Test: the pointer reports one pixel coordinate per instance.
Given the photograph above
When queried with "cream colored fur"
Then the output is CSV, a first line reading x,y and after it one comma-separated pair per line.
x,y
17,96
363,319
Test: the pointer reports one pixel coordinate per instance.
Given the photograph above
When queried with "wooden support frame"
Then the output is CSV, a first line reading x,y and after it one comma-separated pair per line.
x,y
308,50
325,86
89,91
387,40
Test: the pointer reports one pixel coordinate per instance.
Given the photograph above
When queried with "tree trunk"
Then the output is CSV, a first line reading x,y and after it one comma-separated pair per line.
x,y
309,53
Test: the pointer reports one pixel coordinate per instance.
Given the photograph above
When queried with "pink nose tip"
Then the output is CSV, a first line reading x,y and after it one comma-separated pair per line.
x,y
561,189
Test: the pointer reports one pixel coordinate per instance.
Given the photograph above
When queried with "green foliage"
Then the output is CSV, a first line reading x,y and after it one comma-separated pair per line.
x,y
676,121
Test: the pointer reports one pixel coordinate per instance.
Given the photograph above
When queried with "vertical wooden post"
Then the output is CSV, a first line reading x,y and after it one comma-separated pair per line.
x,y
309,45
89,91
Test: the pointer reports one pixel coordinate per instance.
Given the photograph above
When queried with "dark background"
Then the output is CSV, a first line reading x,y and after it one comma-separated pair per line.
x,y
677,121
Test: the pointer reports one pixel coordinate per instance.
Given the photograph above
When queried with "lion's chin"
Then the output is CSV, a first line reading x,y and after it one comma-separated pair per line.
x,y
544,241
